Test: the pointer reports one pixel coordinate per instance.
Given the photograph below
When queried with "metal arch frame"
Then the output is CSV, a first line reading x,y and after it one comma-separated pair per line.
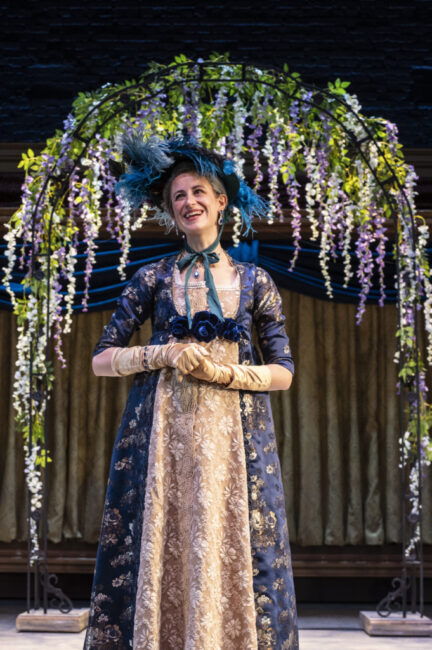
x,y
121,100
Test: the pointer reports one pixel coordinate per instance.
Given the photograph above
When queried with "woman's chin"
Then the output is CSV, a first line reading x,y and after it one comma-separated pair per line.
x,y
197,228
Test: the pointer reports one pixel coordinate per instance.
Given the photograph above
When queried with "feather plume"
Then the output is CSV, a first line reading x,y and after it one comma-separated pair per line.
x,y
250,205
152,153
147,160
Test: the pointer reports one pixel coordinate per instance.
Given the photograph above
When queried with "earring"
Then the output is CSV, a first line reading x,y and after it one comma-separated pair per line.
x,y
221,217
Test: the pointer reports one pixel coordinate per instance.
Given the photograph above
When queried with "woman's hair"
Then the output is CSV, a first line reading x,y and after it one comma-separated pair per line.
x,y
186,167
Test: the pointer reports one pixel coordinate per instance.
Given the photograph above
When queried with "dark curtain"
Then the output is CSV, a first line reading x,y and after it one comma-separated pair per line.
x,y
337,430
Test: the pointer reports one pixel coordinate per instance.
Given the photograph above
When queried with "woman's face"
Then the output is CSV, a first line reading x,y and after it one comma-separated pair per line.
x,y
195,205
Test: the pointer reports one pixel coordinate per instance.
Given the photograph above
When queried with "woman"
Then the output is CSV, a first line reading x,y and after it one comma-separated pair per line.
x,y
194,549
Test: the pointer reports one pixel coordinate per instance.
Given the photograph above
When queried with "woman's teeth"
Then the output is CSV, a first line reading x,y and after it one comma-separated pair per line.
x,y
192,214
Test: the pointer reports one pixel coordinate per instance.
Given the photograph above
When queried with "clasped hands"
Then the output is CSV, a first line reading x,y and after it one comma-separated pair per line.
x,y
193,359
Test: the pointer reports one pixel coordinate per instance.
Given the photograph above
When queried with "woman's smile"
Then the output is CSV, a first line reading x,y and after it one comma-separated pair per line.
x,y
193,215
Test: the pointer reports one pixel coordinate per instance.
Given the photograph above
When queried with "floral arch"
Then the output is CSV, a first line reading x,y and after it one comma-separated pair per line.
x,y
275,127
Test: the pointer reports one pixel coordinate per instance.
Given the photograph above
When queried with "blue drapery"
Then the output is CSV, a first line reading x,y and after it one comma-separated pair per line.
x,y
273,256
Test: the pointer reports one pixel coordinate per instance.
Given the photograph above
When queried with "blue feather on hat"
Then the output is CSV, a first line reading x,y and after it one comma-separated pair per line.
x,y
147,160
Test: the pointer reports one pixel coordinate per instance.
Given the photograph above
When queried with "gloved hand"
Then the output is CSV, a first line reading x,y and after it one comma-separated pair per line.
x,y
183,356
234,376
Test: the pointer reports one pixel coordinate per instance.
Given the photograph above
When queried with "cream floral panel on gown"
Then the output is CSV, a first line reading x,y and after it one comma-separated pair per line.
x,y
195,586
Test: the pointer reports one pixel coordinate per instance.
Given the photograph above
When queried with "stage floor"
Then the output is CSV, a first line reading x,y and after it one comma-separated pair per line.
x,y
334,627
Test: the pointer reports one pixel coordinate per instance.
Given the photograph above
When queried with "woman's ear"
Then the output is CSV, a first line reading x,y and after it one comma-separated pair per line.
x,y
223,201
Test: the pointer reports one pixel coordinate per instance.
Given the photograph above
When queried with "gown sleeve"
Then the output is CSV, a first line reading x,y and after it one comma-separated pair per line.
x,y
133,307
270,322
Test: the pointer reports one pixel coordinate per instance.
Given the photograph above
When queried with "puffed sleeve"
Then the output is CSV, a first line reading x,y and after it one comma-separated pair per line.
x,y
133,307
270,322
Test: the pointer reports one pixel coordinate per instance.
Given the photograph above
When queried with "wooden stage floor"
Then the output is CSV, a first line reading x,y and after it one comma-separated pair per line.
x,y
333,627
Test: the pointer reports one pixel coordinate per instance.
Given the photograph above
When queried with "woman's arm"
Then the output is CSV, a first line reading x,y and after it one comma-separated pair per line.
x,y
281,377
244,377
119,362
101,363
270,326
134,306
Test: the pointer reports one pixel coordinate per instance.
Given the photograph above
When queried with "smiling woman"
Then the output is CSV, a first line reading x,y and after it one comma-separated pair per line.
x,y
194,548
196,208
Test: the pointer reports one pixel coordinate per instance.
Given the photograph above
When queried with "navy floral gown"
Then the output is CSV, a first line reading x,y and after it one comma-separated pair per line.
x,y
194,549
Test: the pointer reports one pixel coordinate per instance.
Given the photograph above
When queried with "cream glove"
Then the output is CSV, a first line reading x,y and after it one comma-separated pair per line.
x,y
127,361
234,376
183,356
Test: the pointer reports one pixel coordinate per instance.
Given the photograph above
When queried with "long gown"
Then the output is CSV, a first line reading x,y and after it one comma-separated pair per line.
x,y
194,549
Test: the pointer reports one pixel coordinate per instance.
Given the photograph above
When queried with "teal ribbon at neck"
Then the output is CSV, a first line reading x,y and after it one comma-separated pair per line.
x,y
209,257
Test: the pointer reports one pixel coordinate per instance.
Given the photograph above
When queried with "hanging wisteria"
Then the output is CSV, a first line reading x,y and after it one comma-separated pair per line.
x,y
277,130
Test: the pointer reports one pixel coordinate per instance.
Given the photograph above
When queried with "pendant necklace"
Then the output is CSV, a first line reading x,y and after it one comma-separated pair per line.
x,y
196,272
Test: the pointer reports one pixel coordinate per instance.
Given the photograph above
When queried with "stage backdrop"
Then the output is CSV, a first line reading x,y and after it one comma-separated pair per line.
x,y
337,430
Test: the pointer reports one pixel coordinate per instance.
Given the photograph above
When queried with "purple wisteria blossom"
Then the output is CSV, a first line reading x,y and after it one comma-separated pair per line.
x,y
392,136
365,238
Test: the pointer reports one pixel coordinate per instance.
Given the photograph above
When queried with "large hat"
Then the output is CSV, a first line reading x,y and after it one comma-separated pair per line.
x,y
149,163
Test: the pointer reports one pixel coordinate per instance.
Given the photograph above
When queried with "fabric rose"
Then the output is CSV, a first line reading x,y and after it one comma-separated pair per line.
x,y
230,330
179,327
205,326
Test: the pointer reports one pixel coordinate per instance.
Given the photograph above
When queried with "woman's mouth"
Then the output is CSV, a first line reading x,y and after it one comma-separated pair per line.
x,y
191,216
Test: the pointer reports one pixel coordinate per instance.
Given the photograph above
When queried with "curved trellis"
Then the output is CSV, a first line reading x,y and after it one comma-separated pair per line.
x,y
357,182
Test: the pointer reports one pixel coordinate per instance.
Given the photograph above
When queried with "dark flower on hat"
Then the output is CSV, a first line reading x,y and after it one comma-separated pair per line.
x,y
230,330
205,326
179,327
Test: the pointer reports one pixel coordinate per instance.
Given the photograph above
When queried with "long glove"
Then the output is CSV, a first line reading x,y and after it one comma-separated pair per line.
x,y
183,356
234,376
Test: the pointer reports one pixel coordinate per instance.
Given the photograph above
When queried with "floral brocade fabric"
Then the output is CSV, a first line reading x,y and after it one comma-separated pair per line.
x,y
195,584
194,549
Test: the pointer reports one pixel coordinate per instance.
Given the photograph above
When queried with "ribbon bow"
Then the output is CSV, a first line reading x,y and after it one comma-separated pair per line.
x,y
209,257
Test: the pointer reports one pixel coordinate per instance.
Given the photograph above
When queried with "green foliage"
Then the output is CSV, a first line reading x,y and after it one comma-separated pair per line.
x,y
339,87
30,162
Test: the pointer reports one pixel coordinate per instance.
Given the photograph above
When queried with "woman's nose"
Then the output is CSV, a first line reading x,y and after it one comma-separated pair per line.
x,y
190,199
